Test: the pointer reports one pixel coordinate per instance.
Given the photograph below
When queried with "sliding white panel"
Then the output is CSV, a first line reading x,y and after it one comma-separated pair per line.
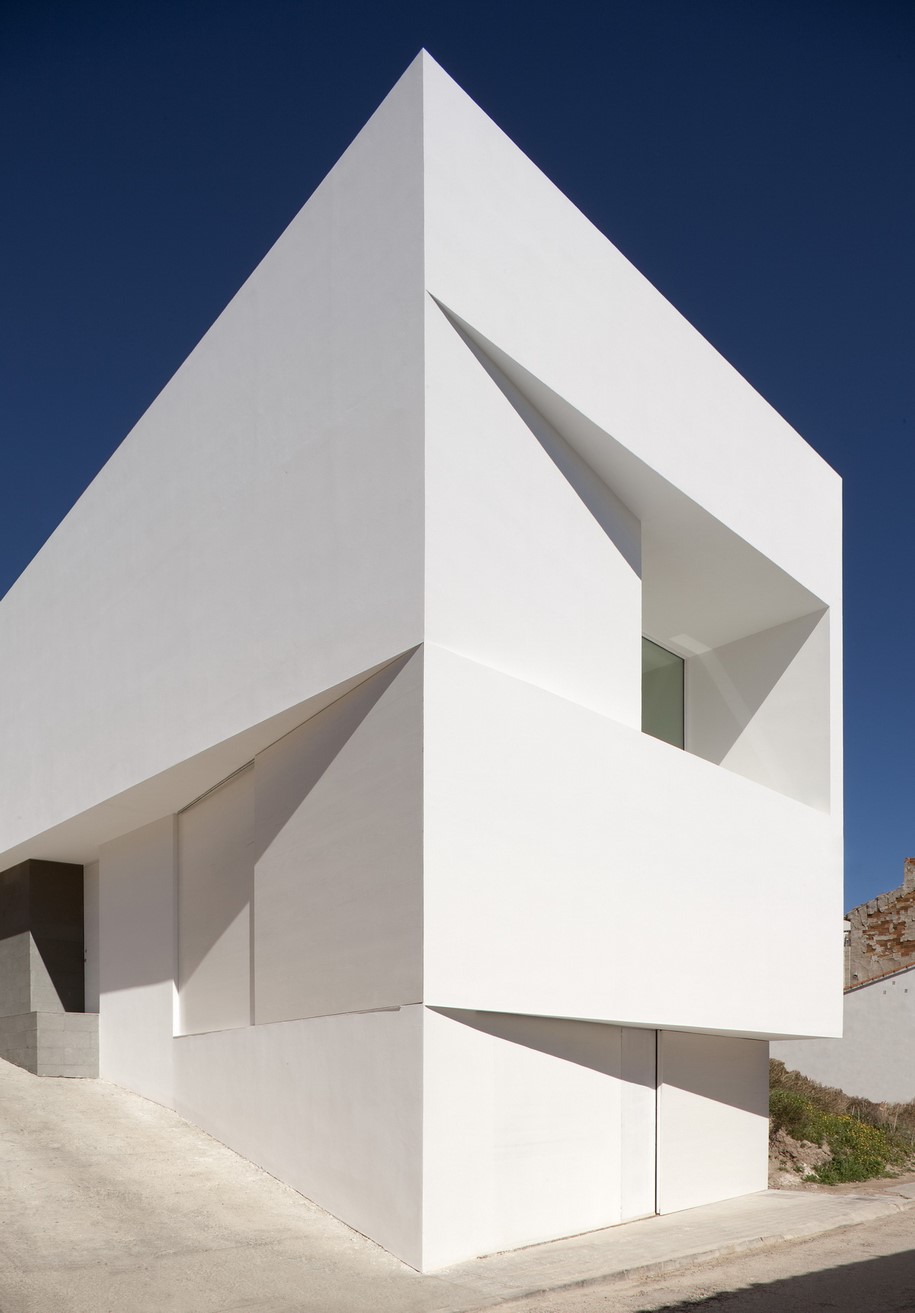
x,y
638,1120
215,880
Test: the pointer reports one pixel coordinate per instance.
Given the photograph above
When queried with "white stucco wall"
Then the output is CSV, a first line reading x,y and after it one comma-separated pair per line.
x,y
713,1119
138,960
331,1105
511,255
258,536
875,1058
761,706
215,890
338,855
554,835
533,1128
532,564
595,471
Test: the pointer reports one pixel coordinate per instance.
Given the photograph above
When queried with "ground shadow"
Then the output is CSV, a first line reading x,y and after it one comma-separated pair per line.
x,y
875,1285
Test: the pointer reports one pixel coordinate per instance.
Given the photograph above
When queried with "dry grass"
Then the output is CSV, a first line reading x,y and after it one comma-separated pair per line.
x,y
899,1118
864,1139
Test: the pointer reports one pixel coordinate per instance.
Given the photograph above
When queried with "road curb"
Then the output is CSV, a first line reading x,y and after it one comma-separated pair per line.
x,y
876,1206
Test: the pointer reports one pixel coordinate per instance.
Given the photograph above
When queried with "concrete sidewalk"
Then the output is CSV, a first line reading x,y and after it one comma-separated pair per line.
x,y
109,1202
664,1244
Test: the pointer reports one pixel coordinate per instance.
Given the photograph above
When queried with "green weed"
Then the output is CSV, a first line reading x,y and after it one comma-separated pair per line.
x,y
864,1138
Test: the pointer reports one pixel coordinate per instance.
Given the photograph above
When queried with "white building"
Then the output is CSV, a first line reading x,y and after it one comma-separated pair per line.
x,y
332,680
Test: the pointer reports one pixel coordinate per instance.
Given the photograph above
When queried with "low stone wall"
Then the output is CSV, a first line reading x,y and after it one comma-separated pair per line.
x,y
51,1043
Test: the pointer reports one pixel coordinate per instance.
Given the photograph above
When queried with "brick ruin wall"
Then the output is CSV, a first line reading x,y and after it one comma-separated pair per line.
x,y
881,933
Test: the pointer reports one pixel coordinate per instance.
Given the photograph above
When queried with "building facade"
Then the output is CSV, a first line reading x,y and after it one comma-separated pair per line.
x,y
386,886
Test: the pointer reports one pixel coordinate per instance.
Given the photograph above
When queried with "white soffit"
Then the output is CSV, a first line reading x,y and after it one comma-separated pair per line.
x,y
703,584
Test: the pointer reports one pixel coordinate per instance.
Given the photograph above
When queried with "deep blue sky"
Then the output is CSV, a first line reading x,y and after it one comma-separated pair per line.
x,y
754,159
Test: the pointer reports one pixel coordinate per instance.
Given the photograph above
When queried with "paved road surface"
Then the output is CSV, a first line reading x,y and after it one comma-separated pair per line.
x,y
861,1269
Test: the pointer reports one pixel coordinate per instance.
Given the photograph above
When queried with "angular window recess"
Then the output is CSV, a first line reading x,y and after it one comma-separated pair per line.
x,y
662,693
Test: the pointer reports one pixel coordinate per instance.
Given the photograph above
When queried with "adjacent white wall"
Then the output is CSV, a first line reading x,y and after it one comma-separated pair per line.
x,y
875,1058
713,1119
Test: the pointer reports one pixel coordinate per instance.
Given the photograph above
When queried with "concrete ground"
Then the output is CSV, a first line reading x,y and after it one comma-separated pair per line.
x,y
111,1204
869,1268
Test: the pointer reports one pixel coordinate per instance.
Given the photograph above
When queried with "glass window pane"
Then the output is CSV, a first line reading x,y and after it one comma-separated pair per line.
x,y
662,693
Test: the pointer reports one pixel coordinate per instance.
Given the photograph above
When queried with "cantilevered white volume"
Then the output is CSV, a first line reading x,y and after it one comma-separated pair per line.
x,y
388,888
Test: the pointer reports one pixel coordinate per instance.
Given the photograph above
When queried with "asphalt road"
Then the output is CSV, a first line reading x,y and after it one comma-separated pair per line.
x,y
862,1269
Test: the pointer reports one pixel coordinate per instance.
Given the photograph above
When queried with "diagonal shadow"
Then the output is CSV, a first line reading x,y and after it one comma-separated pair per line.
x,y
719,1075
156,861
616,520
329,732
586,1043
331,728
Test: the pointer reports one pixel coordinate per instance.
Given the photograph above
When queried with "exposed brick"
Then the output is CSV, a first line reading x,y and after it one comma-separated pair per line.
x,y
881,933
